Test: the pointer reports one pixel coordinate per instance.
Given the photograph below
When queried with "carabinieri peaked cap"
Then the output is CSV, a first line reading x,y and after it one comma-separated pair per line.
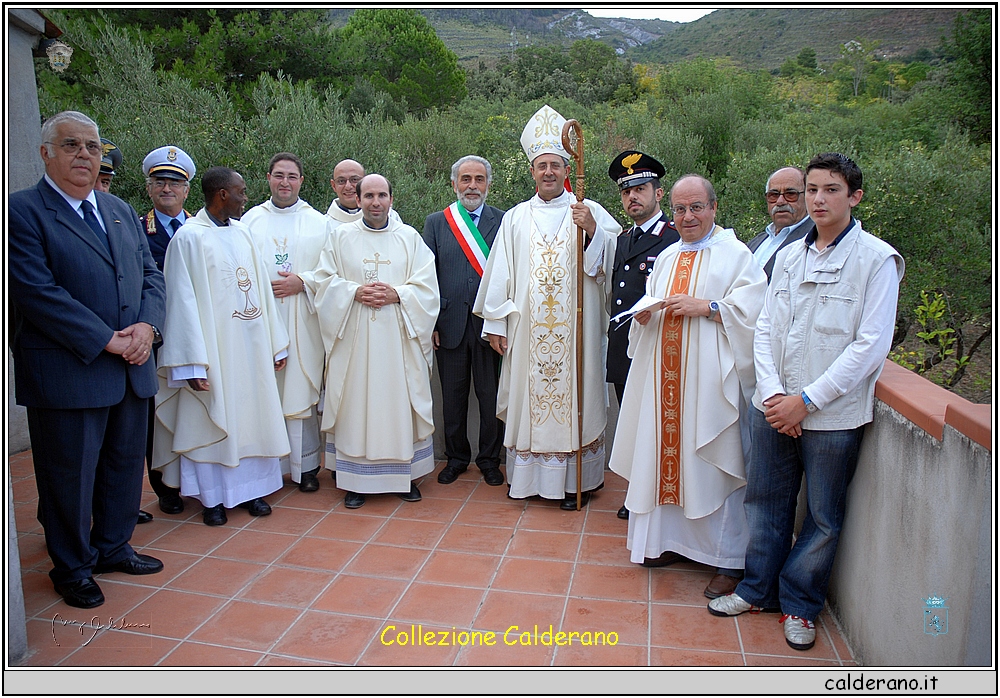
x,y
111,157
632,168
170,162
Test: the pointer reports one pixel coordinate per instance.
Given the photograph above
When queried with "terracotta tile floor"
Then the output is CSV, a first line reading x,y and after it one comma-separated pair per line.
x,y
316,584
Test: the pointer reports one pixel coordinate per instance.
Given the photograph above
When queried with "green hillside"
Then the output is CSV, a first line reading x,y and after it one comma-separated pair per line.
x,y
764,38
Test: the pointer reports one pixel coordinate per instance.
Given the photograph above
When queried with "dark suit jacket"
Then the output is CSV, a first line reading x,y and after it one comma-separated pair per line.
x,y
639,260
796,234
70,296
156,236
458,281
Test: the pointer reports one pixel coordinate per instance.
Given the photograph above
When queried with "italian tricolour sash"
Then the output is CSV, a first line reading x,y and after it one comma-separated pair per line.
x,y
469,238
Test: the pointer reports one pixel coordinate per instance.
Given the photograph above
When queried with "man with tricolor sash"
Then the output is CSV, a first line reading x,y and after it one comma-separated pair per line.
x,y
460,238
679,441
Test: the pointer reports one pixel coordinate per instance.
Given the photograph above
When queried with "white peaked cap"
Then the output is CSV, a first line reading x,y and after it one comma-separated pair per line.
x,y
543,134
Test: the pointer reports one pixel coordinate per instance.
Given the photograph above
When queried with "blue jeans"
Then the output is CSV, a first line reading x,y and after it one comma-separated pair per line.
x,y
778,573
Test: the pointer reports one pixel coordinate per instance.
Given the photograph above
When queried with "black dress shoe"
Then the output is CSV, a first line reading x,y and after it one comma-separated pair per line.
x,y
309,482
493,476
83,593
214,516
569,504
171,504
144,517
137,564
413,495
354,500
623,513
256,507
450,473
667,558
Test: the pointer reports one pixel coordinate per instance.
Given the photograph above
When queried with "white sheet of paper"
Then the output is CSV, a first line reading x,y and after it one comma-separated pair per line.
x,y
644,303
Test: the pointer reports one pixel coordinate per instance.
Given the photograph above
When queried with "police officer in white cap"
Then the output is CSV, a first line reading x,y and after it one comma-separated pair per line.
x,y
169,171
111,159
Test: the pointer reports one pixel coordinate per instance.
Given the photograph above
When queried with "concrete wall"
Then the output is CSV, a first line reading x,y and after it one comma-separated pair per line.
x,y
918,524
24,168
24,165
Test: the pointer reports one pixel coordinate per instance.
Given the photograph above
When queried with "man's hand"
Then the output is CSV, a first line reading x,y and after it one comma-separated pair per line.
x,y
498,343
643,316
140,346
436,339
785,413
376,294
199,384
288,285
118,343
583,218
279,364
688,306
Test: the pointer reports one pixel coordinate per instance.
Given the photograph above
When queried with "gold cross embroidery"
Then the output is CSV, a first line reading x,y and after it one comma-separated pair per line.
x,y
371,275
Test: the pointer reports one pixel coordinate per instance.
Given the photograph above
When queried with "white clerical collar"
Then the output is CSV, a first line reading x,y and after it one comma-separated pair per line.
x,y
376,230
554,201
714,236
344,208
74,203
784,231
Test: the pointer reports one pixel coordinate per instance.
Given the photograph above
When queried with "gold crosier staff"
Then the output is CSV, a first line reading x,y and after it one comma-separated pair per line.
x,y
572,141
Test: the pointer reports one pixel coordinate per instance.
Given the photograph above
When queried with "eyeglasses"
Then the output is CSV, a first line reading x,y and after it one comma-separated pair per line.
x,y
293,178
340,181
791,195
679,211
164,183
71,146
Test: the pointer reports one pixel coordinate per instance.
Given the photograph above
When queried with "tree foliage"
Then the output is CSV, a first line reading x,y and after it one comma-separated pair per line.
x,y
917,129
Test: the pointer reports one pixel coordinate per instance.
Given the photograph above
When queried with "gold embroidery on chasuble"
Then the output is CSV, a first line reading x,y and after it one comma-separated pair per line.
x,y
245,283
671,386
552,302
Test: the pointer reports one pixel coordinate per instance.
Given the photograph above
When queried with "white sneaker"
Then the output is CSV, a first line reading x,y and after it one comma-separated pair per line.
x,y
731,605
800,634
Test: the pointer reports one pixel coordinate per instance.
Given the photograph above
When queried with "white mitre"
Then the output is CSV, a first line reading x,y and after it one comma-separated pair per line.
x,y
543,134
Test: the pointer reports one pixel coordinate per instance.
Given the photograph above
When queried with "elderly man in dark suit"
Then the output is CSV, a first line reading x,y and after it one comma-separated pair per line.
x,y
460,238
87,300
789,222
638,178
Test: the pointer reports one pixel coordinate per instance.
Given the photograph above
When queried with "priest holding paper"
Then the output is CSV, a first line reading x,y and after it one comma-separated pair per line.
x,y
376,294
291,234
220,429
679,441
527,299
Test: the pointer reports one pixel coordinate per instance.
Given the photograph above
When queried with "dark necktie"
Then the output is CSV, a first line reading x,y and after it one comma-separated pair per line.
x,y
474,219
634,237
95,225
175,225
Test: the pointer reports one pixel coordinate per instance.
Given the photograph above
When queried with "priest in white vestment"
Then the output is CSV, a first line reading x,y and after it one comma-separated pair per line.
x,y
345,207
290,235
679,440
219,424
377,297
527,299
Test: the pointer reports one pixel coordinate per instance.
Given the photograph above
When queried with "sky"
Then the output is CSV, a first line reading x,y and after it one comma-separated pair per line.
x,y
671,14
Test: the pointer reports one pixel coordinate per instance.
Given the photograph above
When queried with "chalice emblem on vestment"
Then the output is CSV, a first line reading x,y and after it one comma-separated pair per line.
x,y
244,283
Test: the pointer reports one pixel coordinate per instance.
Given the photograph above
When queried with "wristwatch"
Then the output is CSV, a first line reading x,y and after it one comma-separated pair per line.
x,y
157,337
810,407
713,310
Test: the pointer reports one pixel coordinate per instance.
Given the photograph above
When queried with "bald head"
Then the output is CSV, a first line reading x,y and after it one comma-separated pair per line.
x,y
375,199
346,176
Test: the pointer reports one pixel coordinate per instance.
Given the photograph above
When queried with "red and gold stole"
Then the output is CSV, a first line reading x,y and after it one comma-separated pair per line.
x,y
669,491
